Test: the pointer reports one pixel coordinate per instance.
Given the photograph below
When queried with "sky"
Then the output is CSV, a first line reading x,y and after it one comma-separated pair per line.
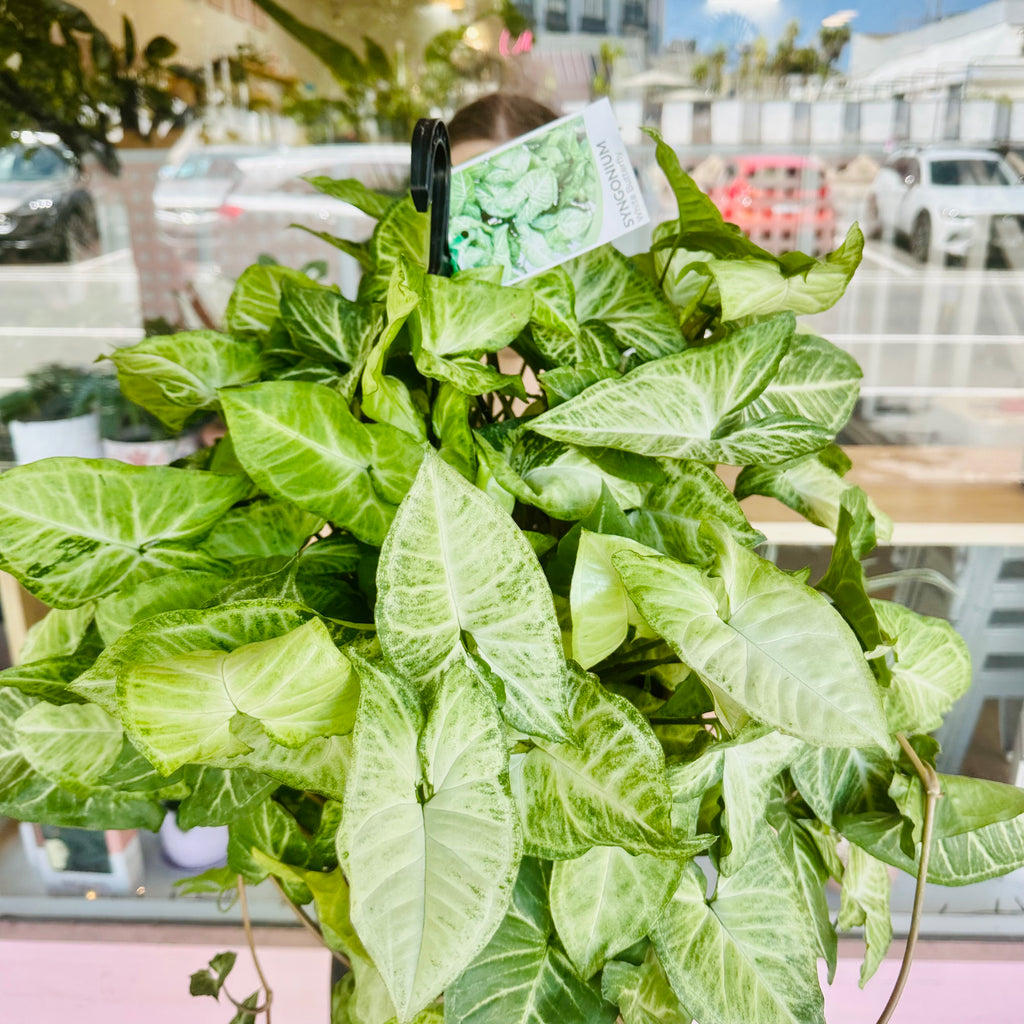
x,y
736,22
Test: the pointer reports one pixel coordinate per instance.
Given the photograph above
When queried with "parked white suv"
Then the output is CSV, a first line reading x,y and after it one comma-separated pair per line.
x,y
944,200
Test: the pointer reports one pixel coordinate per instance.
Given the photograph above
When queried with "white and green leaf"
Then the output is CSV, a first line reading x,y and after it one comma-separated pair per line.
x,y
745,957
455,569
606,900
756,633
428,840
76,529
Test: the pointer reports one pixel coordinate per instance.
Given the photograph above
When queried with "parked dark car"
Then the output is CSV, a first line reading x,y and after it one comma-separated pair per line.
x,y
45,208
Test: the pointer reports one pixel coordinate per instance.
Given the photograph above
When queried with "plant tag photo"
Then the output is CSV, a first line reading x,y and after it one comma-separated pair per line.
x,y
545,197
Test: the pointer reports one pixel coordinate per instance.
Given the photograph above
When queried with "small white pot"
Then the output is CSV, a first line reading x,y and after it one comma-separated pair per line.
x,y
198,848
78,436
150,453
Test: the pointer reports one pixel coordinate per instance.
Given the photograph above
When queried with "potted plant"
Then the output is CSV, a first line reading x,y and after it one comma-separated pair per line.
x,y
131,434
501,725
54,413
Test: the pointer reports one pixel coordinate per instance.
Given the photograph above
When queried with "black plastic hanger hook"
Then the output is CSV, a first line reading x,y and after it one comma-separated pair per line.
x,y
430,185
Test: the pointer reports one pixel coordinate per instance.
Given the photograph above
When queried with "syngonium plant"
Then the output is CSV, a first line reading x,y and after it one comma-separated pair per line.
x,y
490,673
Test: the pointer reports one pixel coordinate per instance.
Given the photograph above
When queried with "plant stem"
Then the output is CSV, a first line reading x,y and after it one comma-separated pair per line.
x,y
932,792
671,256
247,923
306,921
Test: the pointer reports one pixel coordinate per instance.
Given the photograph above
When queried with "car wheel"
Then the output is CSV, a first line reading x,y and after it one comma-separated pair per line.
x,y
921,238
79,237
872,221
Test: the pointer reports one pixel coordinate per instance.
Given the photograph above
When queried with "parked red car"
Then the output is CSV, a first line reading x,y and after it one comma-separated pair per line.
x,y
782,203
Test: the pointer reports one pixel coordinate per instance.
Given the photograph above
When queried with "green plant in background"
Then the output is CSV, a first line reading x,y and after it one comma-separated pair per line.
x,y
529,206
499,696
55,392
382,89
60,73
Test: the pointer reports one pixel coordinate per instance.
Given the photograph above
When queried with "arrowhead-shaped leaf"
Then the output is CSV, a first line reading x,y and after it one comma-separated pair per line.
x,y
429,839
643,994
177,375
609,290
669,518
931,672
324,324
521,977
608,899
605,786
683,406
745,958
75,529
298,686
757,287
757,634
813,486
301,444
456,570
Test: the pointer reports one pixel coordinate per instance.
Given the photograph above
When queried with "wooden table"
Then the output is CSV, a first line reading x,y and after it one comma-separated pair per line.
x,y
936,496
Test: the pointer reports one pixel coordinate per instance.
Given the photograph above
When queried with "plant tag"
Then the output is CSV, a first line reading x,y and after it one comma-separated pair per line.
x,y
545,197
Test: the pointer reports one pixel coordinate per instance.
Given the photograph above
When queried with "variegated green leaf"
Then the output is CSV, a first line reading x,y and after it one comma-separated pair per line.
x,y
979,830
218,796
261,529
605,786
177,375
298,686
172,633
72,744
255,303
467,316
683,406
811,485
429,839
609,290
606,900
669,518
456,575
59,633
865,902
643,994
757,633
26,795
836,782
323,324
753,287
746,767
301,444
816,381
745,957
76,529
931,672
602,612
522,977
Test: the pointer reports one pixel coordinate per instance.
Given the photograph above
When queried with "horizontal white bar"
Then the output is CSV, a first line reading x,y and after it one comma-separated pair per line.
x,y
130,333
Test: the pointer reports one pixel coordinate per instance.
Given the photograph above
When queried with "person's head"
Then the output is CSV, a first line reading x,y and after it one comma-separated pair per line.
x,y
492,120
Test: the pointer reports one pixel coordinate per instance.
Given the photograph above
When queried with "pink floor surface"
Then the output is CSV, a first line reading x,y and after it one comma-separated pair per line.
x,y
52,982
